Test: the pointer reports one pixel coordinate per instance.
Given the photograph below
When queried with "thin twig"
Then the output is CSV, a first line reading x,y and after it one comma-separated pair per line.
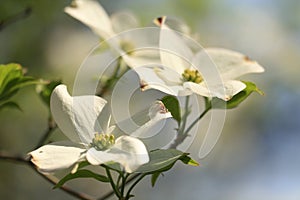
x,y
51,127
26,160
4,155
111,180
78,195
111,193
186,114
134,184
180,133
109,83
12,19
197,119
119,71
124,177
181,137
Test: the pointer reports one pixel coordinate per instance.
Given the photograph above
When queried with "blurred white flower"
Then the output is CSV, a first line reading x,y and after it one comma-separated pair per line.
x,y
179,74
127,45
77,118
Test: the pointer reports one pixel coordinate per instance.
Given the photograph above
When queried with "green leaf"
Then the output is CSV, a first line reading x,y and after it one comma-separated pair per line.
x,y
154,178
172,104
10,104
113,166
236,99
81,174
12,79
45,90
162,160
189,161
9,73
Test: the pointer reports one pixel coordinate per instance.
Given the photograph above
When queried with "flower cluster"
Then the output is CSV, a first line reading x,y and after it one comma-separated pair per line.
x,y
176,68
77,118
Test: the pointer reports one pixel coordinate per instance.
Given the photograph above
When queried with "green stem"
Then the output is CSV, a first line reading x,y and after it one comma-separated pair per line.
x,y
197,119
111,180
111,193
185,116
118,181
51,128
183,134
180,133
124,178
109,83
133,185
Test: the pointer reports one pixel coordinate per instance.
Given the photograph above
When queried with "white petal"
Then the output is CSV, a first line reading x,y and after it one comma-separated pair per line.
x,y
135,61
200,89
158,109
178,25
157,113
143,40
129,118
232,64
142,46
223,91
174,53
76,116
93,15
160,78
109,129
130,152
169,76
134,150
232,87
123,21
56,156
96,157
90,73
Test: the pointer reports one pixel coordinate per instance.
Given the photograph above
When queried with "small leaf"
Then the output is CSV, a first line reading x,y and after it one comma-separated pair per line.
x,y
236,99
10,104
81,174
189,161
45,90
9,73
172,104
154,178
113,166
12,79
161,160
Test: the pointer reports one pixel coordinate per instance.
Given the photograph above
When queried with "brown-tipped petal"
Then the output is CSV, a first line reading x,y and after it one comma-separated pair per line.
x,y
56,156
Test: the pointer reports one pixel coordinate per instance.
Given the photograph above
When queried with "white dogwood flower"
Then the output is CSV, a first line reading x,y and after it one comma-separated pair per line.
x,y
92,14
77,117
211,72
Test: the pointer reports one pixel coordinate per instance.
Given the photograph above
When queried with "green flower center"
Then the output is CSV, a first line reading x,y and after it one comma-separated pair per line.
x,y
103,141
127,46
192,76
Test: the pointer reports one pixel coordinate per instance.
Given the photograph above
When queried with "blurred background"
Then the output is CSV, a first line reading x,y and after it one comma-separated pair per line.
x,y
257,154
